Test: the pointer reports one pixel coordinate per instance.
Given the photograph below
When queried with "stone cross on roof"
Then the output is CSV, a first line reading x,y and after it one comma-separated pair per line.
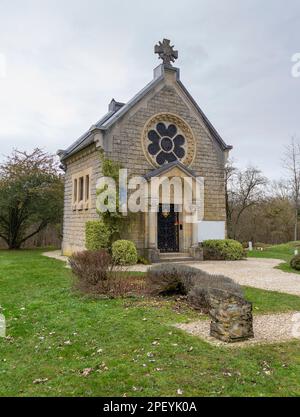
x,y
166,52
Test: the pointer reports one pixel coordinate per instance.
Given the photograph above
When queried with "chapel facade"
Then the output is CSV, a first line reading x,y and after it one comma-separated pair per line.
x,y
161,132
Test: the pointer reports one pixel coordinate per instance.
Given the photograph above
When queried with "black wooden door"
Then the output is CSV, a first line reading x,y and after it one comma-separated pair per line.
x,y
168,230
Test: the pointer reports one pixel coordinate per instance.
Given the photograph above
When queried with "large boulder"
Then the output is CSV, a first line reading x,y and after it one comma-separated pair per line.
x,y
231,315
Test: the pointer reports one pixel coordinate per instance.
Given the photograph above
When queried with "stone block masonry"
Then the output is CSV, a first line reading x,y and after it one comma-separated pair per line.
x,y
231,316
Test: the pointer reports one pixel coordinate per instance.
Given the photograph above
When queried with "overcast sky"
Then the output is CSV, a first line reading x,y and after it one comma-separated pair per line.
x,y
62,61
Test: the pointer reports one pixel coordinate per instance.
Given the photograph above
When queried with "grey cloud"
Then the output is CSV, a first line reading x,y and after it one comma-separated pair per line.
x,y
67,59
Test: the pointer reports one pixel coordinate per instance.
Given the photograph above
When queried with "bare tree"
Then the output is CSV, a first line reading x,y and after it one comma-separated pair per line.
x,y
246,190
280,189
230,172
291,163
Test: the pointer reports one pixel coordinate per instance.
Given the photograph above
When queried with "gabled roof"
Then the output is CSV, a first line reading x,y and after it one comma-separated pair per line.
x,y
108,120
208,124
167,167
118,110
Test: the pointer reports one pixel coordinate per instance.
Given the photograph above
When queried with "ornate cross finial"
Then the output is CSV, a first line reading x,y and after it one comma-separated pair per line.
x,y
166,52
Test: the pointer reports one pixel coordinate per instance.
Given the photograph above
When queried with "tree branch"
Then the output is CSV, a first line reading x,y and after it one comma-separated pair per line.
x,y
41,227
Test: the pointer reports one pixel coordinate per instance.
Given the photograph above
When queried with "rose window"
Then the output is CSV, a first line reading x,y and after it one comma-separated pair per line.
x,y
166,144
168,138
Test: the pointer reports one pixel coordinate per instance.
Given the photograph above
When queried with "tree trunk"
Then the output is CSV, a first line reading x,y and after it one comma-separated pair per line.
x,y
14,244
296,226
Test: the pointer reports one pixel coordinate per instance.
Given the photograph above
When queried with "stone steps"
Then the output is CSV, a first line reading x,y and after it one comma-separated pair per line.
x,y
175,257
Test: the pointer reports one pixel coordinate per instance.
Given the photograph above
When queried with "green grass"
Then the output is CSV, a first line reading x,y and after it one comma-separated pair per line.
x,y
284,251
270,301
54,334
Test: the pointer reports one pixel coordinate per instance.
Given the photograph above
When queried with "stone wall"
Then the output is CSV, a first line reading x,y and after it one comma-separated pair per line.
x,y
74,221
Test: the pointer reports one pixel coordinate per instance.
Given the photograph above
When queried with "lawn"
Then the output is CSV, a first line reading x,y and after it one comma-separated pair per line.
x,y
284,251
62,344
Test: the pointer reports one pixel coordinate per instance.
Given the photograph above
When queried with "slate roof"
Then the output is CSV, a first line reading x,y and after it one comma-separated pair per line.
x,y
107,121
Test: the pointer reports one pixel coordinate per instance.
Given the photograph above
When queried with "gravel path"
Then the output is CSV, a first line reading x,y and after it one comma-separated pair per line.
x,y
56,254
253,272
268,328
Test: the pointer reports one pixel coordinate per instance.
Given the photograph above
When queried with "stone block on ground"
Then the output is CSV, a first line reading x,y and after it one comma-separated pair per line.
x,y
231,315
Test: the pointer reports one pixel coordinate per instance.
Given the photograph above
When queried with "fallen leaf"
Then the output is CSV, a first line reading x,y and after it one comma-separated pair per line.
x,y
86,371
40,380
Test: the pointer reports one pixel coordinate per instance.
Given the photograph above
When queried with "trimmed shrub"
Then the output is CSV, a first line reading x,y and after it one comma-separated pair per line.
x,y
295,262
124,252
198,296
97,235
170,279
226,249
91,269
167,279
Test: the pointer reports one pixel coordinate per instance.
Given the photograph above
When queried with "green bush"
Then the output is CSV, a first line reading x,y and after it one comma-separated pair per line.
x,y
226,249
295,262
143,261
124,252
97,235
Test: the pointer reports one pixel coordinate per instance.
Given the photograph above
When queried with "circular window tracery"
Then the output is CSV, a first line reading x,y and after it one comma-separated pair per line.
x,y
165,144
167,138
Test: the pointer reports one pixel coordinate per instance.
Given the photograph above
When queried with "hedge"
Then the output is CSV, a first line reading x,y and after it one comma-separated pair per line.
x,y
97,235
226,249
124,252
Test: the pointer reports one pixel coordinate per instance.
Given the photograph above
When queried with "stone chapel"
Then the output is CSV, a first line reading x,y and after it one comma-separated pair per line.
x,y
160,132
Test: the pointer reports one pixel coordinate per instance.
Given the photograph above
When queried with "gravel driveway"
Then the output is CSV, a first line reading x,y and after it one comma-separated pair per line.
x,y
253,272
